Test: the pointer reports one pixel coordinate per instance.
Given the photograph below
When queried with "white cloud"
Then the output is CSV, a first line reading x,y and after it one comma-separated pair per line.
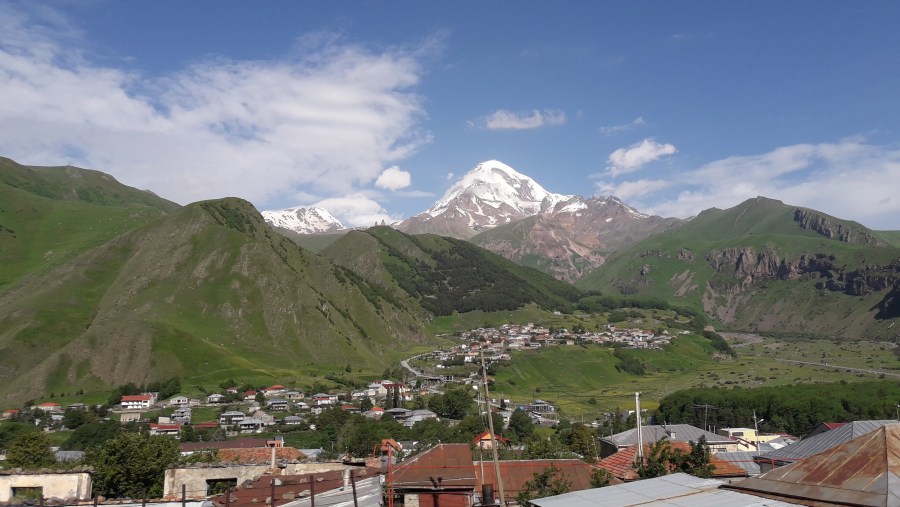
x,y
630,159
510,120
393,178
449,176
631,189
324,120
625,127
356,210
848,179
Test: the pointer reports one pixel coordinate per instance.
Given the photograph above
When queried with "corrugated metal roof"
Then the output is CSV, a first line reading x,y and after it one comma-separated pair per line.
x,y
516,473
823,441
679,490
368,494
864,472
743,459
441,467
675,432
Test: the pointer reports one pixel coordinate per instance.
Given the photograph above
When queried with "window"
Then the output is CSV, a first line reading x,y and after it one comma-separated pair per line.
x,y
737,434
28,493
218,486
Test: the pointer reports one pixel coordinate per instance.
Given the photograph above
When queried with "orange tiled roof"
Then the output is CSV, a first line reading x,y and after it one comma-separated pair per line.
x,y
621,464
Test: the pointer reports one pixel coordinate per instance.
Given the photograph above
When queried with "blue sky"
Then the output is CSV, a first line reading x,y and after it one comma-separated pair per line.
x,y
372,109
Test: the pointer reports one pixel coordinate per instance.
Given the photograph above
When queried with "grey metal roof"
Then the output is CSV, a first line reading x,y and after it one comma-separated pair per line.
x,y
679,432
823,441
679,490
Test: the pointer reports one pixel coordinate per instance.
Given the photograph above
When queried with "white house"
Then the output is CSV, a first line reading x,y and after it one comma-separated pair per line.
x,y
137,401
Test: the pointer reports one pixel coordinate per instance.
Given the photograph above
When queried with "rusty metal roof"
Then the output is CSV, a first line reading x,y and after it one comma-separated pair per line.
x,y
444,466
864,472
517,472
823,441
622,464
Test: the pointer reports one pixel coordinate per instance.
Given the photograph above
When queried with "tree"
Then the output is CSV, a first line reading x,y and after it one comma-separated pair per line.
x,y
543,484
365,404
130,464
520,425
656,461
580,440
91,434
697,462
359,436
537,447
30,450
454,404
600,478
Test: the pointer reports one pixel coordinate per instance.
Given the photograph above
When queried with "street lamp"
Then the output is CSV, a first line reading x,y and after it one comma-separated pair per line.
x,y
756,428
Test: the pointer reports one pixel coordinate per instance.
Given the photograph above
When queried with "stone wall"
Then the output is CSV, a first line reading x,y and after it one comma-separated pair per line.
x,y
194,478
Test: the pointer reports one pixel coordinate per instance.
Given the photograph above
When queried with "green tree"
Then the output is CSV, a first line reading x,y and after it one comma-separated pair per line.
x,y
10,430
543,484
697,461
453,404
30,450
600,478
131,463
537,447
359,435
580,440
365,404
91,434
656,462
520,425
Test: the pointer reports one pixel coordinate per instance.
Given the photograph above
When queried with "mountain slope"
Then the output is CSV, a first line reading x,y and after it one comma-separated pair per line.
x,y
767,266
573,236
207,292
49,215
446,275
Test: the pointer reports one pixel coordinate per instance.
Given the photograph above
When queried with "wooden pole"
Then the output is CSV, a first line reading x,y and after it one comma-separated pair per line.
x,y
272,495
228,497
494,441
183,495
353,485
96,500
144,498
312,490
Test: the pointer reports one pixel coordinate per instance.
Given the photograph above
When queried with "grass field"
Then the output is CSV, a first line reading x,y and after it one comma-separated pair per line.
x,y
583,380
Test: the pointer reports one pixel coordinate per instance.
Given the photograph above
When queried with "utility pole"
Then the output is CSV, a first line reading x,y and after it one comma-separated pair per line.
x,y
706,408
640,435
491,429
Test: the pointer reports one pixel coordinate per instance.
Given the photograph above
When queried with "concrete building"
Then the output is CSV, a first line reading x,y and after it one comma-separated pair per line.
x,y
63,485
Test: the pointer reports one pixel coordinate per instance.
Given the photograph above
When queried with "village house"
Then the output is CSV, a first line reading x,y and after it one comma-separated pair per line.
x,y
131,416
277,405
170,429
50,407
138,401
231,417
321,399
71,485
276,390
182,415
251,425
178,401
215,398
293,395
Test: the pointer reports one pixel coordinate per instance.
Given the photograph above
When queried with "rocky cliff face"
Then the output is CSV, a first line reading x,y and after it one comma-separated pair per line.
x,y
819,223
745,266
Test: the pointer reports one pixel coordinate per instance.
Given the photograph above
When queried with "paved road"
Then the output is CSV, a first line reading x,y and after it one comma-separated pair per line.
x,y
839,367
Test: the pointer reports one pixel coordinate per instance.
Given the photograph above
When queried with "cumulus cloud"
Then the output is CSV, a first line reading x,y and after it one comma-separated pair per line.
x,y
848,179
393,178
356,210
625,127
632,158
511,120
322,120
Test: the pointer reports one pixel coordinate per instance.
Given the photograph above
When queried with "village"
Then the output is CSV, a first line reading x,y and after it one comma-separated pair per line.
x,y
235,444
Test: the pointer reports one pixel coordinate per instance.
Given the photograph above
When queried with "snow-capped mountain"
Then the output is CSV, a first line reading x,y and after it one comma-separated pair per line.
x,y
489,195
304,220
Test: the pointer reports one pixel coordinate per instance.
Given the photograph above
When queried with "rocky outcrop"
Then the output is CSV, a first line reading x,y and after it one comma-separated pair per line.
x,y
744,266
819,223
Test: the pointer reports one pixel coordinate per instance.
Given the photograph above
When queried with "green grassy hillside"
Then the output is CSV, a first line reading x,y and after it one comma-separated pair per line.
x,y
50,215
208,292
767,266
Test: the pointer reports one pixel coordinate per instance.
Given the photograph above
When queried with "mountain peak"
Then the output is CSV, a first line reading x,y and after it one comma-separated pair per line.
x,y
497,185
304,220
